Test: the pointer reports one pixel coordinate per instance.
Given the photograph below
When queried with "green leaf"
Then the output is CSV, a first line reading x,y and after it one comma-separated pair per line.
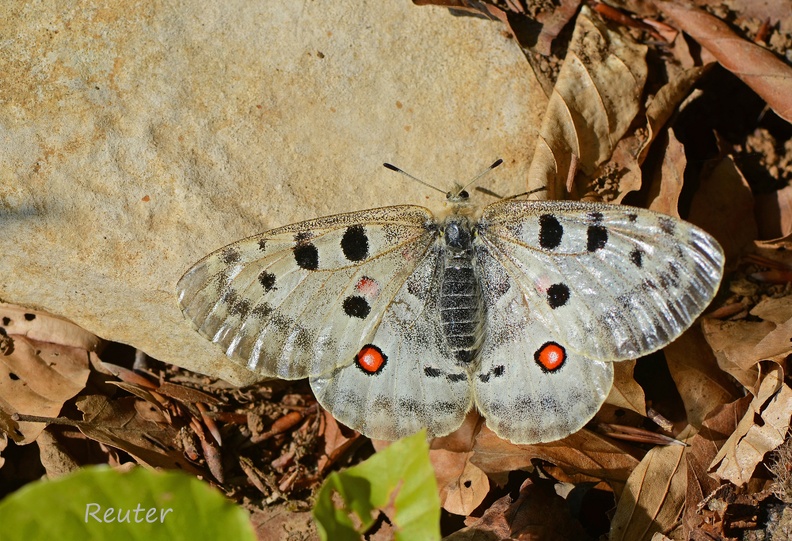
x,y
146,506
400,475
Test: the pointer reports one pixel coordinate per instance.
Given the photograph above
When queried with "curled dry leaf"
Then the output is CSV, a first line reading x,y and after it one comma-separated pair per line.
x,y
701,383
45,327
117,423
759,68
463,486
751,440
595,99
584,453
626,393
667,182
740,345
654,495
723,207
36,378
538,513
703,447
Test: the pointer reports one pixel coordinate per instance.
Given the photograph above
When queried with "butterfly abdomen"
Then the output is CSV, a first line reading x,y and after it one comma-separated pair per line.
x,y
461,305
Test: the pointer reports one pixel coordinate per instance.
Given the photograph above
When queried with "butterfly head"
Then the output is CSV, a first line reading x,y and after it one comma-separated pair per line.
x,y
458,196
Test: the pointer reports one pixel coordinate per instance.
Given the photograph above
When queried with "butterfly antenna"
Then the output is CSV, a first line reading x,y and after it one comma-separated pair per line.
x,y
408,175
495,164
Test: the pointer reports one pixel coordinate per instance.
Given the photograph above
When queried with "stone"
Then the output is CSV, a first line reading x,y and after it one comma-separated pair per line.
x,y
138,138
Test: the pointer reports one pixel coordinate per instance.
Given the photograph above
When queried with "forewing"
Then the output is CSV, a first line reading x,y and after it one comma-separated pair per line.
x,y
301,300
607,282
417,386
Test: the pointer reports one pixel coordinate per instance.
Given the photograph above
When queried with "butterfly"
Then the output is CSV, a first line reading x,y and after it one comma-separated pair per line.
x,y
404,320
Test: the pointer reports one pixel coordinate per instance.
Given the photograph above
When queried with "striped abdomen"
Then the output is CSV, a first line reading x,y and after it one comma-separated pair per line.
x,y
461,306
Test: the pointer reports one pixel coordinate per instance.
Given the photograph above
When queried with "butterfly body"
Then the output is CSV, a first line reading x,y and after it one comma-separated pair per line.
x,y
403,320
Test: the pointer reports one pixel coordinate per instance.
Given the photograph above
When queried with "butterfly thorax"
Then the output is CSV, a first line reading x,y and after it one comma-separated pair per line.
x,y
461,306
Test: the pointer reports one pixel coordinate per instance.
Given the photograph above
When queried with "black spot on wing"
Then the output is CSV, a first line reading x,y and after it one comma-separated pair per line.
x,y
550,231
636,256
267,280
557,295
306,256
262,244
667,224
354,243
229,256
432,372
241,308
632,217
356,306
596,238
262,311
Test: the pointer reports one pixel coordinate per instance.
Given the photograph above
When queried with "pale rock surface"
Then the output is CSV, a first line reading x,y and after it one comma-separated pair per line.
x,y
136,138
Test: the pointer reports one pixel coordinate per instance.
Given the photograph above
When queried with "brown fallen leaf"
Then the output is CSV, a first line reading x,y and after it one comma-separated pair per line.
x,y
585,454
654,494
715,431
463,486
594,101
537,514
701,383
117,423
724,192
758,67
626,393
37,378
667,182
44,327
752,440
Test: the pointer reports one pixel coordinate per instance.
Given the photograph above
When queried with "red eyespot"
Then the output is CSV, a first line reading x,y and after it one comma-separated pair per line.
x,y
550,356
368,287
370,359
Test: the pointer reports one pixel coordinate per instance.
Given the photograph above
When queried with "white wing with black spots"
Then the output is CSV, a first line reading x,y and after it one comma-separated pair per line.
x,y
403,321
409,381
617,282
300,300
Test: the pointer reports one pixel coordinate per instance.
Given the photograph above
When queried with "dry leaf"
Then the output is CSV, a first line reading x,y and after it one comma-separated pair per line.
x,y
45,327
701,383
117,423
583,453
626,393
723,207
595,99
669,178
36,378
715,431
54,457
751,440
774,213
740,345
654,495
759,68
538,513
734,344
463,486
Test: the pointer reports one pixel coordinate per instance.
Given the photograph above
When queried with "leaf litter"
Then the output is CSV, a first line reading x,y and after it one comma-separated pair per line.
x,y
640,108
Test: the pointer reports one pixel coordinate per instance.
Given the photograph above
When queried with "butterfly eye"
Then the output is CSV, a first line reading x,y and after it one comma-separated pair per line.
x,y
464,194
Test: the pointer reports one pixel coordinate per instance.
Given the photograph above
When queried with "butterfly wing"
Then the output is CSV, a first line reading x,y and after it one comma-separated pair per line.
x,y
570,287
299,300
412,384
347,301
